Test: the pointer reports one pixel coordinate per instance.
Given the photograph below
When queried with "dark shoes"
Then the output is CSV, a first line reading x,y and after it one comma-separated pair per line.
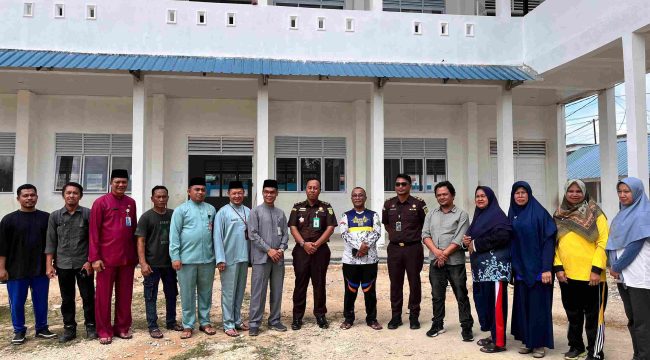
x,y
278,327
395,322
175,327
436,329
484,342
322,322
574,354
253,331
91,332
45,334
491,348
414,323
19,338
467,335
69,334
296,324
375,325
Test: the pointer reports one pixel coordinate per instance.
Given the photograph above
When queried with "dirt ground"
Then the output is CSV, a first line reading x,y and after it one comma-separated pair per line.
x,y
310,342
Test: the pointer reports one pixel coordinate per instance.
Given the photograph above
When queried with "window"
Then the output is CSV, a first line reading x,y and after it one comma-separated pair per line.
x,y
7,151
89,159
424,160
424,6
302,158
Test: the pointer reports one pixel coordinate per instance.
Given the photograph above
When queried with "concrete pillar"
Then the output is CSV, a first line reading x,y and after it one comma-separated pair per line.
x,y
138,191
376,191
377,5
24,136
560,124
470,114
360,146
505,155
156,154
504,8
262,140
635,105
608,155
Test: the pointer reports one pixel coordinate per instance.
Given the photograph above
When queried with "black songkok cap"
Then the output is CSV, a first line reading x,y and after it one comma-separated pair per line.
x,y
270,183
119,173
235,185
197,181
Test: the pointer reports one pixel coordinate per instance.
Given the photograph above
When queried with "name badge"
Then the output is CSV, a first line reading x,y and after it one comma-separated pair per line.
x,y
279,231
128,221
398,226
316,223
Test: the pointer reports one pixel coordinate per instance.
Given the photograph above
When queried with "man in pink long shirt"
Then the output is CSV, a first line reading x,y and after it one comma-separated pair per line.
x,y
112,252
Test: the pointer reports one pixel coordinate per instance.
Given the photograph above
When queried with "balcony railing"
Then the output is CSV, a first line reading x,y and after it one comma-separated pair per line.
x,y
418,6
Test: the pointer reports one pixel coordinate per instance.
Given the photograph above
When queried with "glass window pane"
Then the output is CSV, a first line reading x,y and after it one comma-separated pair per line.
x,y
436,172
391,169
334,175
309,168
95,176
123,162
413,168
68,168
6,173
286,174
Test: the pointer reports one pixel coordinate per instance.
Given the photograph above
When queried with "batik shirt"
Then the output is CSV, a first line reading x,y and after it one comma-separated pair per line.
x,y
356,228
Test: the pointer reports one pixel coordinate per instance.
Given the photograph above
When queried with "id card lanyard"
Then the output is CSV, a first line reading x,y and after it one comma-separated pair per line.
x,y
398,224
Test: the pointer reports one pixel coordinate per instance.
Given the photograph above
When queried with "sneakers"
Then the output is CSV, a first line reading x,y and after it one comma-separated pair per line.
x,y
395,322
69,334
574,354
436,329
19,338
539,353
45,334
278,327
467,335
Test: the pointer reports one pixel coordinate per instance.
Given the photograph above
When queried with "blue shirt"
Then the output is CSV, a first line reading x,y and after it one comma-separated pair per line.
x,y
230,241
190,233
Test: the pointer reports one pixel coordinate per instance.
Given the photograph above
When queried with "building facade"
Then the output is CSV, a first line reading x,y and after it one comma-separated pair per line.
x,y
175,89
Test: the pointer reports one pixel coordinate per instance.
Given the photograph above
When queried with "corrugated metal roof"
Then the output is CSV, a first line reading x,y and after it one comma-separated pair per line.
x,y
584,163
246,66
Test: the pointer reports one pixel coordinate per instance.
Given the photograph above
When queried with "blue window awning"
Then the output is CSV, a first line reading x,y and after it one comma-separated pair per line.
x,y
254,66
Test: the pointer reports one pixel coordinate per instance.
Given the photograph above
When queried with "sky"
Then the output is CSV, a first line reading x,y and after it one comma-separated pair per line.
x,y
581,113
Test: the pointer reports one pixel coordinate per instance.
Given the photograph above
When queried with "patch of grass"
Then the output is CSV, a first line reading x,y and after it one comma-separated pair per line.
x,y
200,350
238,344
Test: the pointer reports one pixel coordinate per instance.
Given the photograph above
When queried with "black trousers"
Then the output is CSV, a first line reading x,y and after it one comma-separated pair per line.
x,y
86,284
409,260
360,277
582,305
635,302
456,276
308,267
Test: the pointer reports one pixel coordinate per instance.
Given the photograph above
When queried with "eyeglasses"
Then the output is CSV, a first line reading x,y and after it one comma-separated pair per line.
x,y
398,184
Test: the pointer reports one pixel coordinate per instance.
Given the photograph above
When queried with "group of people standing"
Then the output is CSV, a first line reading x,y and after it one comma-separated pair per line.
x,y
99,248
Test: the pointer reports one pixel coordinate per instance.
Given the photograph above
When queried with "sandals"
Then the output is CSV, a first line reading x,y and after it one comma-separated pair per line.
x,y
345,325
375,325
186,334
156,333
208,329
175,327
242,327
491,349
105,341
231,332
127,335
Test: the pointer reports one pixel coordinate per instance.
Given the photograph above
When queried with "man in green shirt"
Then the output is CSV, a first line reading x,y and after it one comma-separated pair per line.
x,y
192,254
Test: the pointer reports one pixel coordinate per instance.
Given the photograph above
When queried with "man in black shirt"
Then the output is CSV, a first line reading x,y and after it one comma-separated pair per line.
x,y
155,264
22,263
67,249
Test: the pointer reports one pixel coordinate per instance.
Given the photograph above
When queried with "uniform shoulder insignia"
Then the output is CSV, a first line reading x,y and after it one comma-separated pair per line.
x,y
419,198
325,203
297,204
391,199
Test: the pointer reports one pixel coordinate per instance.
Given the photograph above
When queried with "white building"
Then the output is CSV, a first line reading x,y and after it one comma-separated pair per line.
x,y
174,89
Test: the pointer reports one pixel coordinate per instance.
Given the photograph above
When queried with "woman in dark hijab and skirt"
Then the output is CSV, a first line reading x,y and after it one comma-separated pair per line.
x,y
488,240
533,249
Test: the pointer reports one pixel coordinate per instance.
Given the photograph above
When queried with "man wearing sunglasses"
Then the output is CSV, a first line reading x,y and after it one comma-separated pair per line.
x,y
403,216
